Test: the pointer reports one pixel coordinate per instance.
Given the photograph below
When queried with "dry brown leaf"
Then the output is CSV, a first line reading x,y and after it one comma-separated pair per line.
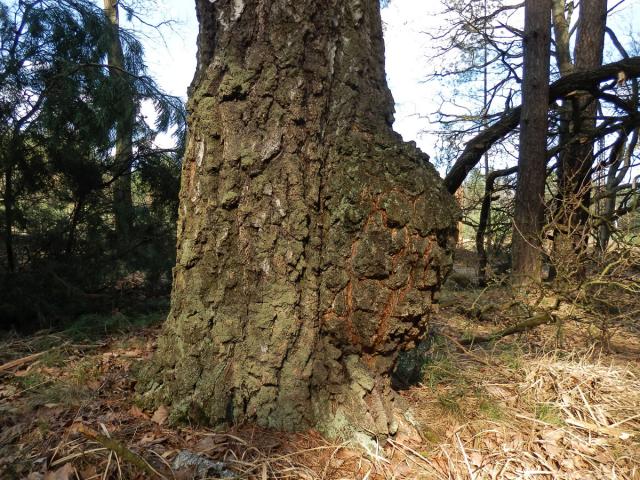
x,y
208,444
184,474
552,436
66,472
148,438
583,447
89,472
138,413
476,459
568,464
553,450
7,391
161,415
132,353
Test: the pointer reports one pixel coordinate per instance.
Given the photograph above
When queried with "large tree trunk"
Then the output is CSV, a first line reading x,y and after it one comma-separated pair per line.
x,y
122,197
312,241
529,201
576,161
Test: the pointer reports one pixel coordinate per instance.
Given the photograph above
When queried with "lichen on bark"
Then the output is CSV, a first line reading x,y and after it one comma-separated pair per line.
x,y
311,241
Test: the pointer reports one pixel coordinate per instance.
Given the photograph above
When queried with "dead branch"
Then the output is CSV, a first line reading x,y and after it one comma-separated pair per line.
x,y
481,143
524,326
20,361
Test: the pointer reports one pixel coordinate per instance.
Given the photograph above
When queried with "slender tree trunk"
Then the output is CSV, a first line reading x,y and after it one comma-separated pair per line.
x,y
576,162
122,197
311,240
529,201
483,222
562,37
619,166
8,218
73,224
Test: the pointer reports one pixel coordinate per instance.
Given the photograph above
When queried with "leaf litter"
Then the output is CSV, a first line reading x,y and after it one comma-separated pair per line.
x,y
482,413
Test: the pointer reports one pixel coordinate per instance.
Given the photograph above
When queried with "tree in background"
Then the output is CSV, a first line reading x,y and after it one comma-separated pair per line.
x,y
578,121
586,181
122,198
60,105
532,158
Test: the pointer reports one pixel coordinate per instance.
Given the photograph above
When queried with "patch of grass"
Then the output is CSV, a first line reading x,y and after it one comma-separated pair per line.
x,y
512,356
439,370
430,436
491,409
85,370
30,381
549,413
54,358
38,389
449,403
60,393
93,326
43,424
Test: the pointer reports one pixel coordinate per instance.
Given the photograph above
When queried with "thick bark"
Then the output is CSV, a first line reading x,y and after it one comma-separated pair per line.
x,y
565,64
588,80
532,154
312,241
122,197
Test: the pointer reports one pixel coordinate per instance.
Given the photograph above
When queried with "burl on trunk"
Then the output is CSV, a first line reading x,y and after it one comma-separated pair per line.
x,y
312,240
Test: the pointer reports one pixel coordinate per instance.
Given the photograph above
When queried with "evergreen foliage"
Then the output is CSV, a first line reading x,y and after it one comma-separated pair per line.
x,y
59,104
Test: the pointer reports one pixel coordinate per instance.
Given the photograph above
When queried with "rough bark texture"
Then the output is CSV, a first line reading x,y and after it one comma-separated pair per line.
x,y
532,155
312,241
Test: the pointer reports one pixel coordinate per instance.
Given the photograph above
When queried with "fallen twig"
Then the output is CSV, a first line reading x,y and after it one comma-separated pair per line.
x,y
20,361
528,324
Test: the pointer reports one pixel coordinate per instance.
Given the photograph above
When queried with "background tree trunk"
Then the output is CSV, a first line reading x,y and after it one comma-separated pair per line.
x,y
576,161
529,201
483,221
8,203
122,197
312,241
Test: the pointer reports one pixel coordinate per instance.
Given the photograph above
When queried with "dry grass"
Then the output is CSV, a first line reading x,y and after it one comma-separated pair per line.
x,y
554,416
517,409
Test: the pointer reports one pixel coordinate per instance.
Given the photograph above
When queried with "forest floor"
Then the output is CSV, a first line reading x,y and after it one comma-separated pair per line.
x,y
556,402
